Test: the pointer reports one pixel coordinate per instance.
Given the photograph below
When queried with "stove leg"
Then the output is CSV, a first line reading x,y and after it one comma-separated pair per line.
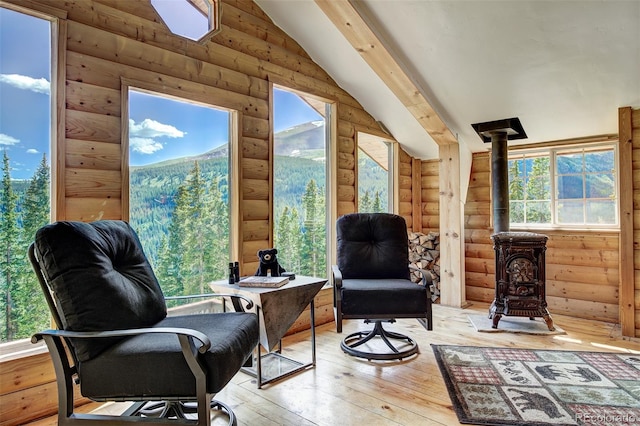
x,y
549,321
496,319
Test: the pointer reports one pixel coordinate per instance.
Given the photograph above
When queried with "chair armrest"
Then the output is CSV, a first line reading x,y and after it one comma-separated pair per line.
x,y
249,302
337,276
204,340
426,280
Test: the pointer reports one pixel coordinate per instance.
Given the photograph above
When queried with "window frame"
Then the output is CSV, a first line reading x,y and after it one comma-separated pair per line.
x,y
389,146
196,97
552,151
330,181
23,348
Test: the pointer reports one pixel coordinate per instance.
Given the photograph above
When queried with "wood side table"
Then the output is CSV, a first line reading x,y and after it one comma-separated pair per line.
x,y
277,310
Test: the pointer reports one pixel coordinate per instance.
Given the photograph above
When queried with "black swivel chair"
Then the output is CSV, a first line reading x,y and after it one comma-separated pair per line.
x,y
111,315
372,282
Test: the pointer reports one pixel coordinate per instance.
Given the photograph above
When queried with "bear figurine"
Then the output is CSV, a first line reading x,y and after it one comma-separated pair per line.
x,y
269,262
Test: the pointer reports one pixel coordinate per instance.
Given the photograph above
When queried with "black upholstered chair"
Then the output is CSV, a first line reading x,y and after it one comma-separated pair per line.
x,y
111,314
372,282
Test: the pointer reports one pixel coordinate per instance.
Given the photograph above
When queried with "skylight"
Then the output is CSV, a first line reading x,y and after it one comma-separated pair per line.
x,y
193,19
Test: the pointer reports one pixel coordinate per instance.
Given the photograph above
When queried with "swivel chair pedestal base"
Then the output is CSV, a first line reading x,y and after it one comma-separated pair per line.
x,y
177,410
352,341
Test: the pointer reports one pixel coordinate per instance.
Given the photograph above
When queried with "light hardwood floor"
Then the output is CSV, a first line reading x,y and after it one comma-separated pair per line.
x,y
343,390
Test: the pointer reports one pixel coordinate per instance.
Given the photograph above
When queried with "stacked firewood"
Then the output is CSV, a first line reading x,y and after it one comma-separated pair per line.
x,y
424,253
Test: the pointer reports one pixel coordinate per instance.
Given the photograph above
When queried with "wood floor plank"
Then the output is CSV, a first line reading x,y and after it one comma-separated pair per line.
x,y
349,391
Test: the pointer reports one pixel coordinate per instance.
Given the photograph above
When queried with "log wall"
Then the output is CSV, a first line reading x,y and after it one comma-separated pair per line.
x,y
109,44
582,267
430,196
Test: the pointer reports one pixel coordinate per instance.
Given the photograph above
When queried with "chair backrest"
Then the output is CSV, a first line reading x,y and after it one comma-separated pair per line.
x,y
372,245
98,278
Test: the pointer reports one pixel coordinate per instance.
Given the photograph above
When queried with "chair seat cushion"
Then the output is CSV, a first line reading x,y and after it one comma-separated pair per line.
x,y
152,364
383,297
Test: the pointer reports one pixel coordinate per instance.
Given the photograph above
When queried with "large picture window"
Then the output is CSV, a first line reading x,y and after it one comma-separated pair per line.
x,y
25,147
300,182
568,186
179,189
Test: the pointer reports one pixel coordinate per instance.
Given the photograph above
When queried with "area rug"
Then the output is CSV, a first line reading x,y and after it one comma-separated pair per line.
x,y
503,386
508,324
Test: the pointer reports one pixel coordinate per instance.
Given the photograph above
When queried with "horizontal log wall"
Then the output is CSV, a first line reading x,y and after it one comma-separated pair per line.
x,y
430,196
581,267
109,42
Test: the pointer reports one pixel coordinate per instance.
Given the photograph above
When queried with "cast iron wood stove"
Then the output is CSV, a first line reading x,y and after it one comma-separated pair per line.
x,y
520,256
520,277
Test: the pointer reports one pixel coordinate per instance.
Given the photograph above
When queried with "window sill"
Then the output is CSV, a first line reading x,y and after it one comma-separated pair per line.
x,y
21,349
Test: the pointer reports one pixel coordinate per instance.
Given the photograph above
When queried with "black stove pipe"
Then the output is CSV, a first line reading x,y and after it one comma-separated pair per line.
x,y
500,181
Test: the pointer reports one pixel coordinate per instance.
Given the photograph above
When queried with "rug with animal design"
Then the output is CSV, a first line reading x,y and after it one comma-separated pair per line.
x,y
504,386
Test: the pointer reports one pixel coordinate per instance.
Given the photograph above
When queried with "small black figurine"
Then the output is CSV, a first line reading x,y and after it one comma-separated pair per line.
x,y
269,262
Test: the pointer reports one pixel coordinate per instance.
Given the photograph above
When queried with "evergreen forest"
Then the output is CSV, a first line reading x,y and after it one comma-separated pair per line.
x,y
179,208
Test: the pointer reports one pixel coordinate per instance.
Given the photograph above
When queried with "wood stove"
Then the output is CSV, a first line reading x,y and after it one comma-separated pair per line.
x,y
520,277
520,256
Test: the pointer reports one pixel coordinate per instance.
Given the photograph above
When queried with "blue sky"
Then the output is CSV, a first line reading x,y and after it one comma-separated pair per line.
x,y
159,128
24,91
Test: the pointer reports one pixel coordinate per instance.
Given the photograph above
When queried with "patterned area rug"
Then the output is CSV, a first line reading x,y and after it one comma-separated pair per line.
x,y
502,386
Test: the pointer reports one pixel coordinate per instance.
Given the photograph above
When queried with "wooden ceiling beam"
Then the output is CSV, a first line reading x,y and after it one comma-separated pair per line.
x,y
361,36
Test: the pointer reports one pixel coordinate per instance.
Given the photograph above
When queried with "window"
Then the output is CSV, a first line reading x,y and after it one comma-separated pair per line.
x,y
373,174
179,189
300,182
25,145
564,186
195,20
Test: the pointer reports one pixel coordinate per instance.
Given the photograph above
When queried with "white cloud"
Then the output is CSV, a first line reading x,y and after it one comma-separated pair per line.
x,y
32,151
38,85
8,140
145,145
149,128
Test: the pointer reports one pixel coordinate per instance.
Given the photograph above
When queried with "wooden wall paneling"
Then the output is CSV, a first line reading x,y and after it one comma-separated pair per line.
x,y
87,209
254,148
92,155
258,27
255,230
89,98
92,127
430,195
255,169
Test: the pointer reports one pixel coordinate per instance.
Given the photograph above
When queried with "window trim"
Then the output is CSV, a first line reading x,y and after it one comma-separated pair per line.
x,y
183,93
24,348
551,149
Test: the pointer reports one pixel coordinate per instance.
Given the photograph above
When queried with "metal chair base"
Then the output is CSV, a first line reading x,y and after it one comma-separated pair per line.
x,y
352,341
177,410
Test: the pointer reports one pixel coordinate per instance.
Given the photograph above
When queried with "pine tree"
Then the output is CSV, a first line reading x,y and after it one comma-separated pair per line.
x,y
538,192
8,251
364,205
376,206
288,240
516,192
30,308
314,240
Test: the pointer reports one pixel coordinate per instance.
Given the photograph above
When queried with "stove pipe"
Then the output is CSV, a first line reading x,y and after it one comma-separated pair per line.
x,y
500,181
498,132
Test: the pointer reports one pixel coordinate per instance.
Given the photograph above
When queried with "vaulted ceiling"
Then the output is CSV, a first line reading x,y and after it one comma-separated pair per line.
x,y
563,67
